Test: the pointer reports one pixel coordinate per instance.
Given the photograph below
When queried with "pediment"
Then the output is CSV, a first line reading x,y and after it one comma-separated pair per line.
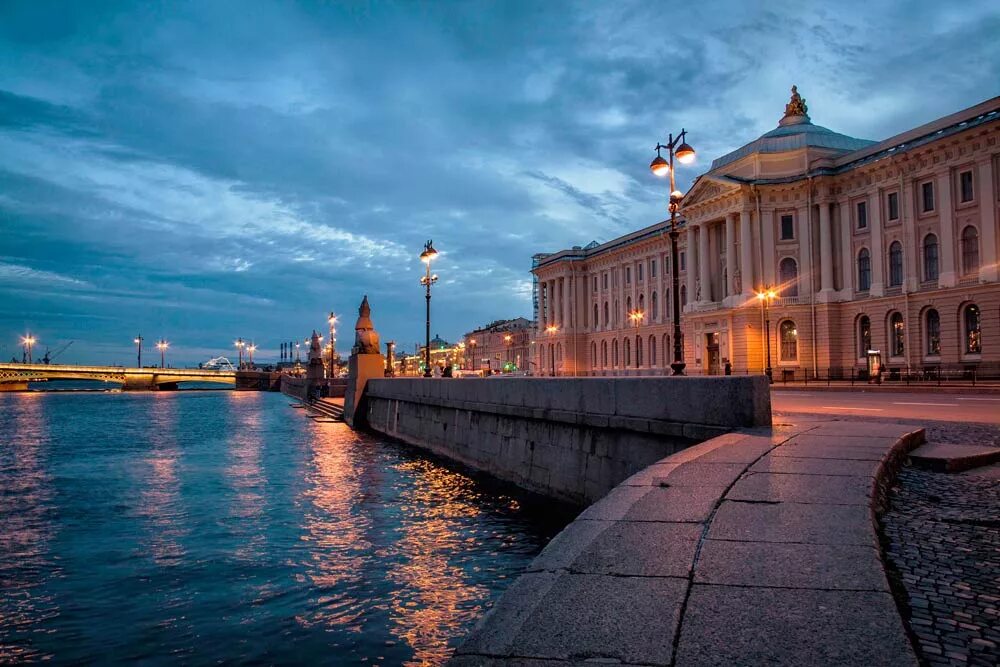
x,y
706,189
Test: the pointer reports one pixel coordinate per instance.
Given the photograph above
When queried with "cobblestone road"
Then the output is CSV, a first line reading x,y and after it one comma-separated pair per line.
x,y
942,537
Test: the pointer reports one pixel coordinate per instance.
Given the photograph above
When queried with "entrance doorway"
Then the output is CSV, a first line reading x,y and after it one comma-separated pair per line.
x,y
712,348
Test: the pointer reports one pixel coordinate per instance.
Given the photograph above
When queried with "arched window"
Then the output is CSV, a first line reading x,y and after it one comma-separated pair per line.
x,y
932,322
864,336
788,274
628,352
970,250
972,328
596,322
864,270
930,257
638,351
655,305
789,341
652,351
897,335
668,352
684,296
604,354
616,312
628,305
642,305
607,318
593,356
614,353
895,264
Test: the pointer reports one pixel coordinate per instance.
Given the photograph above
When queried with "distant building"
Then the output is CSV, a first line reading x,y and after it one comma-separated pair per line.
x,y
887,246
443,354
503,346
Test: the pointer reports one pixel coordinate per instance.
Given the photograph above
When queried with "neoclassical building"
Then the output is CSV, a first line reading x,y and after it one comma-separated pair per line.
x,y
889,246
501,346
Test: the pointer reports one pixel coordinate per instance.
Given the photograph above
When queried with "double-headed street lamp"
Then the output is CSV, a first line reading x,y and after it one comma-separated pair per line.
x,y
426,257
239,346
251,348
636,317
28,341
332,320
766,296
679,148
138,346
162,346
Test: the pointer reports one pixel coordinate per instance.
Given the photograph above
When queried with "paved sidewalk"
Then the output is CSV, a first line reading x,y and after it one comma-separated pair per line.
x,y
749,548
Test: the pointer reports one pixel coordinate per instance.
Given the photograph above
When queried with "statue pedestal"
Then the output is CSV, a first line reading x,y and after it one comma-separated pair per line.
x,y
360,368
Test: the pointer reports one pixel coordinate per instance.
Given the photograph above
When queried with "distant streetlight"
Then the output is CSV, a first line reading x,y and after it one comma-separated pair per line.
x,y
251,348
551,330
472,361
138,345
297,352
679,148
427,256
162,346
239,346
28,341
766,296
636,317
333,342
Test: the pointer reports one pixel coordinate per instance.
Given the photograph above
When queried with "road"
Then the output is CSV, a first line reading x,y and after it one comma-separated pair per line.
x,y
970,407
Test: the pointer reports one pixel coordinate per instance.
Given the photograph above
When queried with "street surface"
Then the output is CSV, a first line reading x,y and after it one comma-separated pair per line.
x,y
970,407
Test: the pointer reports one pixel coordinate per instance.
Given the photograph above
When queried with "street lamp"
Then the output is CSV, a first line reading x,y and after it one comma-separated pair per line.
x,y
251,348
239,346
162,346
679,148
507,339
28,341
472,344
138,345
426,257
636,318
333,340
766,296
551,330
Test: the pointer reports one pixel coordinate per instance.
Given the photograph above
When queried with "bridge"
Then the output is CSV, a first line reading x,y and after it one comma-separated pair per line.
x,y
15,377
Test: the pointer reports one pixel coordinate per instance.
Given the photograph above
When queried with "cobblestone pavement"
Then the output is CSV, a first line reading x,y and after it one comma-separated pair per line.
x,y
942,539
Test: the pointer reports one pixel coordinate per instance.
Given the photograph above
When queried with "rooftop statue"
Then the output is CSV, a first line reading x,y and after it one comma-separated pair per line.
x,y
797,105
366,339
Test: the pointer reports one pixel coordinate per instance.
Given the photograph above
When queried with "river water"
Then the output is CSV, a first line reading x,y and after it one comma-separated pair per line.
x,y
200,527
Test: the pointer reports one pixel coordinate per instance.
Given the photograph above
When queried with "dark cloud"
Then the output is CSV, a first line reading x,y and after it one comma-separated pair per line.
x,y
207,170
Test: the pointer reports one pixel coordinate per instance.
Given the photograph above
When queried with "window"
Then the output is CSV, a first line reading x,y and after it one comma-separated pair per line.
x,y
789,337
604,354
617,311
667,352
652,351
593,356
628,308
965,186
895,264
684,295
893,203
927,196
683,262
628,275
652,268
896,335
864,270
607,320
614,354
656,309
973,331
864,336
638,351
933,328
639,269
642,305
788,272
862,210
595,282
930,257
787,227
596,322
605,280
970,250
628,352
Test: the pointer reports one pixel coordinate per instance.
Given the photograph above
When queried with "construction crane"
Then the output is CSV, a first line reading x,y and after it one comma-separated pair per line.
x,y
50,357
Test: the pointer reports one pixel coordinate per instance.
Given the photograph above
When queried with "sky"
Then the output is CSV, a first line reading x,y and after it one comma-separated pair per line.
x,y
201,171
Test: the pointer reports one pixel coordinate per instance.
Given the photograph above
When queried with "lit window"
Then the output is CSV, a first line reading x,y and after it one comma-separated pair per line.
x,y
864,270
893,201
788,272
864,335
896,335
973,330
789,336
927,196
965,186
930,257
933,333
787,227
970,250
895,264
862,210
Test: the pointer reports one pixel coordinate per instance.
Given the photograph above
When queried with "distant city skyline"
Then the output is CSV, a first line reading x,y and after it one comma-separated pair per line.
x,y
209,171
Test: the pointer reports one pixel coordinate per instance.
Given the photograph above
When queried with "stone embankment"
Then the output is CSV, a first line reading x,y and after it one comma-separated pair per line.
x,y
568,438
750,548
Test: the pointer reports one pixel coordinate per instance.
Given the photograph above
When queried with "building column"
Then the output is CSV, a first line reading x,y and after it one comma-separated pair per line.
x,y
747,283
567,305
806,283
912,243
703,273
543,287
988,218
946,218
826,291
848,266
878,252
729,289
767,248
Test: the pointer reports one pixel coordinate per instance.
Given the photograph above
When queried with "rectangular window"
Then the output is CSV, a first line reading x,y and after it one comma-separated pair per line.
x,y
605,280
639,269
652,268
595,282
628,275
927,196
683,262
862,215
787,228
893,206
965,183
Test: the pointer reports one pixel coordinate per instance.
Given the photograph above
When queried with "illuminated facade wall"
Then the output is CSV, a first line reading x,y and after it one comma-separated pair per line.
x,y
891,246
501,346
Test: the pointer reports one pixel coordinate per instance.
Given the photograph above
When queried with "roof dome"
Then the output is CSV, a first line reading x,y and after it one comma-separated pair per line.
x,y
795,130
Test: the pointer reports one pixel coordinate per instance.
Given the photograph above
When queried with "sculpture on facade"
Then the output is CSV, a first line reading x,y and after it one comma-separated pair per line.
x,y
697,291
737,282
366,340
797,105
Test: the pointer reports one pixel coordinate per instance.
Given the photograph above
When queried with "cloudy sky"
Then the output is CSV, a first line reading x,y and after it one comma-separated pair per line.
x,y
206,170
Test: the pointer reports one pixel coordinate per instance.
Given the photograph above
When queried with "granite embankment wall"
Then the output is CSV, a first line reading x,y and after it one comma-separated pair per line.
x,y
303,388
568,438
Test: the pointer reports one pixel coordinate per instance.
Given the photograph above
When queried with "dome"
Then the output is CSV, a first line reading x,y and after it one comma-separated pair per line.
x,y
795,130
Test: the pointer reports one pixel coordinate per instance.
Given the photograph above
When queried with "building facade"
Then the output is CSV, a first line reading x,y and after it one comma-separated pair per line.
x,y
887,246
501,346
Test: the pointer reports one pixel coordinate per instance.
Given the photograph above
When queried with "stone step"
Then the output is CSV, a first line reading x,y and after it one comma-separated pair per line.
x,y
953,458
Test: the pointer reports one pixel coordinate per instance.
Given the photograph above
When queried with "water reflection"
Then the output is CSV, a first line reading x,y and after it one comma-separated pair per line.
x,y
26,528
245,475
160,503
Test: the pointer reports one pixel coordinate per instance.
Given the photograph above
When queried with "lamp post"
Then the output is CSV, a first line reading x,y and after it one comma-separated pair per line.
x,y
251,348
162,346
507,338
636,317
766,296
239,346
138,346
676,146
551,330
332,320
297,358
28,341
427,280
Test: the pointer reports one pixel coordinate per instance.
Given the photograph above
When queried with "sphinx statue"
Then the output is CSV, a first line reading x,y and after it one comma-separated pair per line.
x,y
366,340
